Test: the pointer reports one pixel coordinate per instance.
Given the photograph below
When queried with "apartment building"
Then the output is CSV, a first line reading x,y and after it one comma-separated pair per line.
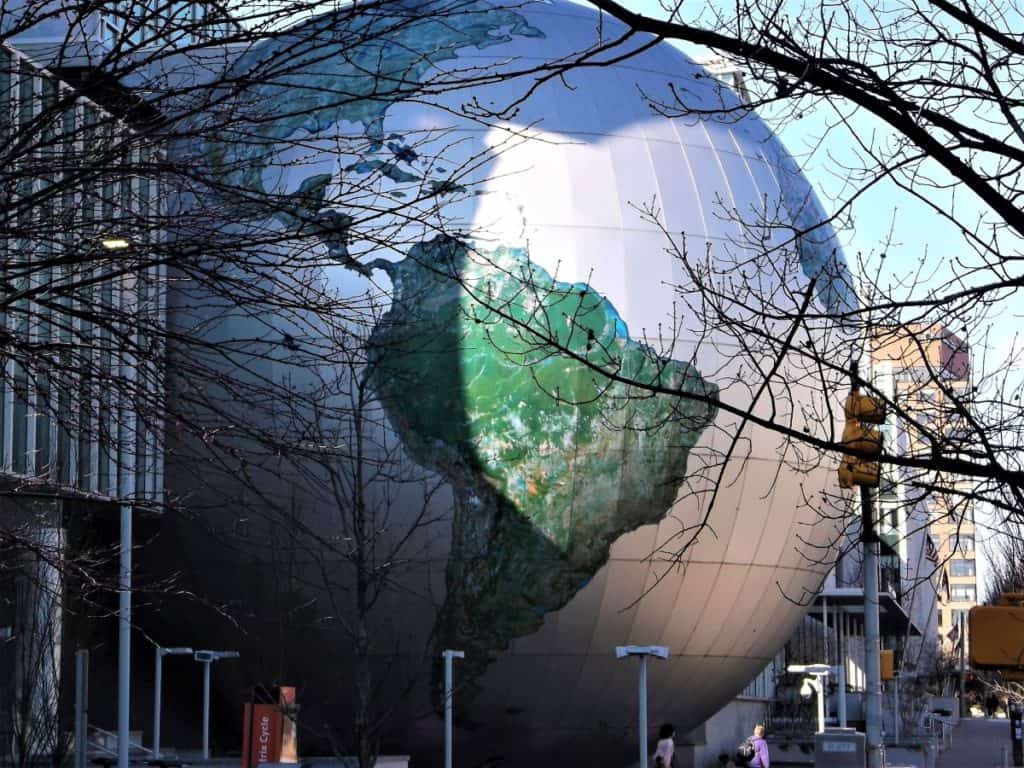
x,y
926,371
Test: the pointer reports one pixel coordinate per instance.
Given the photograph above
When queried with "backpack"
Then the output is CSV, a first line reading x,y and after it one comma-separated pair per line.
x,y
745,751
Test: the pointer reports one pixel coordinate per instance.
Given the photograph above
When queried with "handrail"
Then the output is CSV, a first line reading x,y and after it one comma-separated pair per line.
x,y
945,728
110,751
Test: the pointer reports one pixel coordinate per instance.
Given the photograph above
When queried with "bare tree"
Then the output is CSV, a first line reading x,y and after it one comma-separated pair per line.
x,y
238,260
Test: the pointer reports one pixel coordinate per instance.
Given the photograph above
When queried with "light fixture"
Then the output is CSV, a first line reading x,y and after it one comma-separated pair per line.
x,y
206,658
815,684
158,689
115,243
642,652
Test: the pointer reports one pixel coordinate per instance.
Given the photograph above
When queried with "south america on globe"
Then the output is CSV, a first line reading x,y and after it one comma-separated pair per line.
x,y
496,375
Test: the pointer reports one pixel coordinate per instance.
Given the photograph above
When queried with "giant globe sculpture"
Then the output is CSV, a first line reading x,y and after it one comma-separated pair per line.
x,y
538,237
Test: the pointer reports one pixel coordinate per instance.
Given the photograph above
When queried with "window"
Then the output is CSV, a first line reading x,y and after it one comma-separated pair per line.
x,y
963,593
964,544
937,541
960,567
959,618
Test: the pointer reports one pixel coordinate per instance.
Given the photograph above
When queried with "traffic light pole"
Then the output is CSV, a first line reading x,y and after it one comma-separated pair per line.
x,y
965,711
872,635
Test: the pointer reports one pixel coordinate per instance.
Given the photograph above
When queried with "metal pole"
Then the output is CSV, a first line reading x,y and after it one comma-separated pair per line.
x,y
841,682
820,686
124,640
872,634
81,707
824,625
896,716
448,715
157,689
643,711
448,694
840,623
964,711
206,710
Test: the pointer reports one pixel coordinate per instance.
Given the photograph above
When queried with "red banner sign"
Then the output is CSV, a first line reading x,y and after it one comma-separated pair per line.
x,y
261,735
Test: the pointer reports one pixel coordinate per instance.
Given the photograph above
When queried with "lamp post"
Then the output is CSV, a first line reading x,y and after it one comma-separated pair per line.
x,y
206,658
115,242
813,684
158,687
124,637
643,651
448,656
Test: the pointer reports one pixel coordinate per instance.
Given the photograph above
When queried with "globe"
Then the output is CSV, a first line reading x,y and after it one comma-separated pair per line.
x,y
577,280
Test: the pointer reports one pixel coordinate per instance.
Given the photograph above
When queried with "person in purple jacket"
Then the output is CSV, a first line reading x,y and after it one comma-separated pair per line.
x,y
761,758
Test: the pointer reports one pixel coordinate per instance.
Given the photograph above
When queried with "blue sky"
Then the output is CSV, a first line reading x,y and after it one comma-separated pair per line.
x,y
895,238
886,220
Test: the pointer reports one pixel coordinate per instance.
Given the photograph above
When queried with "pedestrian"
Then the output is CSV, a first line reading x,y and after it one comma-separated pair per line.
x,y
761,758
665,753
991,704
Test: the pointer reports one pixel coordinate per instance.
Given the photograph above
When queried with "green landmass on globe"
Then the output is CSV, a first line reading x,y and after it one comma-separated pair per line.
x,y
489,369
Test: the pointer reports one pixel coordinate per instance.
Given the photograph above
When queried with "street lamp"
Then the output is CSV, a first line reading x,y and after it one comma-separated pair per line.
x,y
115,243
448,656
206,658
813,684
157,689
643,651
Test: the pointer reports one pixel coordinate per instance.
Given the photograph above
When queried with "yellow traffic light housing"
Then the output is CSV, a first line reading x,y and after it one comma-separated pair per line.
x,y
854,471
858,468
862,439
887,664
997,636
864,408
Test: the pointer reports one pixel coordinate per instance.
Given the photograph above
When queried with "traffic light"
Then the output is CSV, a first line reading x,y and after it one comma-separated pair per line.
x,y
861,410
886,664
997,636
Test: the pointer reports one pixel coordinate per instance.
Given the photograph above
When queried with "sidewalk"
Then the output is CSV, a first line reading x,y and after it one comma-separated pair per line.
x,y
977,743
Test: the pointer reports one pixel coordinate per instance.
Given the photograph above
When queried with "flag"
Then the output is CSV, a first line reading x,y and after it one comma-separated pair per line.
x,y
954,635
944,585
930,551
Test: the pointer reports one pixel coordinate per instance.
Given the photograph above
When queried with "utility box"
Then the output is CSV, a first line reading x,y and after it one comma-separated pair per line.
x,y
840,748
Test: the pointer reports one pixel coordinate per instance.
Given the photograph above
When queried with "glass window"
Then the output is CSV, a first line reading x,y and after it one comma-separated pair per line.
x,y
964,544
964,593
961,567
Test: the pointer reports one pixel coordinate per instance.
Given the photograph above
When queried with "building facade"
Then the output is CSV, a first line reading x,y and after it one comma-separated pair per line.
x,y
81,393
926,371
